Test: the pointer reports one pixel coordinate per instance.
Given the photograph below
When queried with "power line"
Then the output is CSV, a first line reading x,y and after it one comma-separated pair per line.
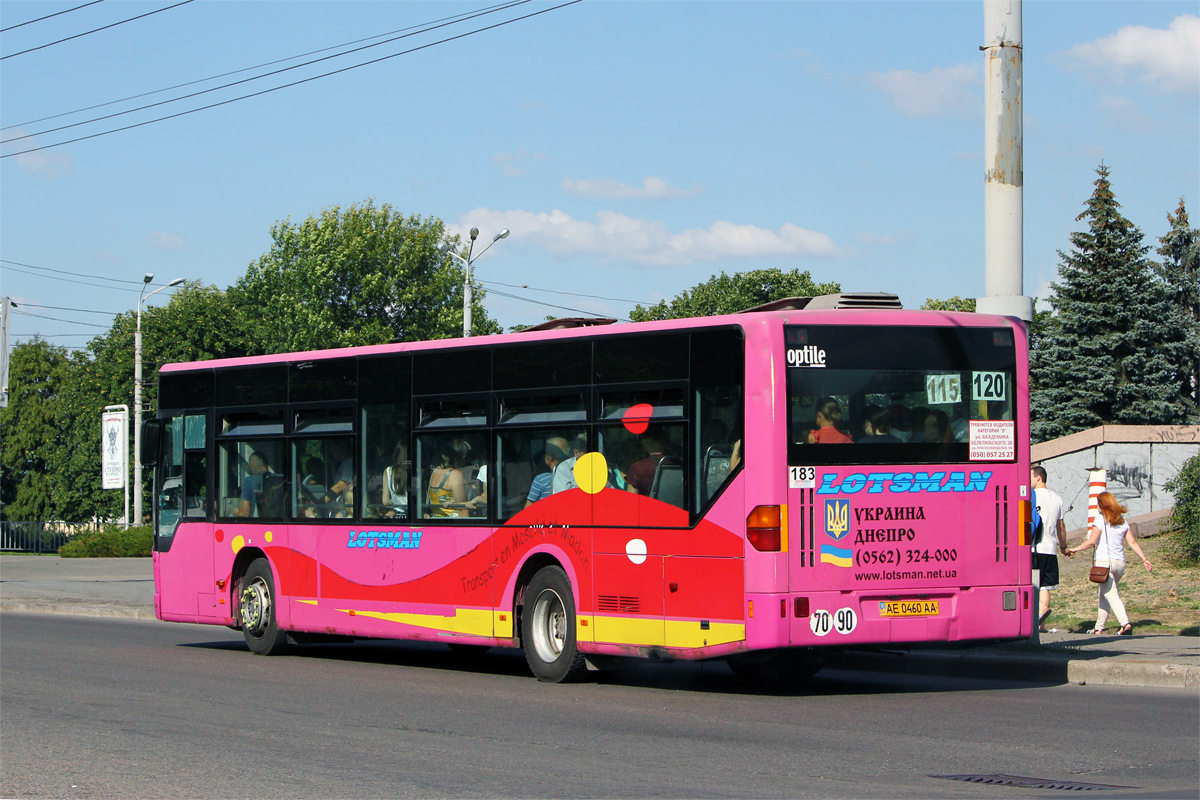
x,y
53,335
573,294
80,310
48,16
68,280
550,305
65,272
425,29
294,83
499,6
59,319
95,30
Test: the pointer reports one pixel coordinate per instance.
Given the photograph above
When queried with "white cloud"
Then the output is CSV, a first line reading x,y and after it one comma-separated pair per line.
x,y
46,165
1165,59
165,241
616,237
652,188
941,90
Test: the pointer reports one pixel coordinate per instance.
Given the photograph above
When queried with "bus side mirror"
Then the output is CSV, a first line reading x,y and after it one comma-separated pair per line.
x,y
151,433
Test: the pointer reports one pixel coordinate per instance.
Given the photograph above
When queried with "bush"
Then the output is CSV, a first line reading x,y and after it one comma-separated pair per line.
x,y
1184,545
113,541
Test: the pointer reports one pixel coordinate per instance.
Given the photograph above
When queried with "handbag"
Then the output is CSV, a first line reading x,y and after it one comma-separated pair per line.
x,y
1098,574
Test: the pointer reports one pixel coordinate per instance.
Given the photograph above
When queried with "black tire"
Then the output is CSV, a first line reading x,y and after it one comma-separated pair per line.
x,y
256,610
548,628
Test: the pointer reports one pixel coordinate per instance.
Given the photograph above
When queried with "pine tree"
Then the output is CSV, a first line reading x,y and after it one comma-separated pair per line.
x,y
1180,270
1113,356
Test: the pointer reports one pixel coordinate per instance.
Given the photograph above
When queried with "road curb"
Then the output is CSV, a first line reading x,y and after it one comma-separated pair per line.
x,y
1039,669
76,609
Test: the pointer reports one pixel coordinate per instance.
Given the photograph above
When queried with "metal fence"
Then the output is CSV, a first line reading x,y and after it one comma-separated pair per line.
x,y
38,537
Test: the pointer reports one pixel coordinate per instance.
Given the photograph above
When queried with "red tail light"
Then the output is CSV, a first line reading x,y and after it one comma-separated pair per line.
x,y
764,529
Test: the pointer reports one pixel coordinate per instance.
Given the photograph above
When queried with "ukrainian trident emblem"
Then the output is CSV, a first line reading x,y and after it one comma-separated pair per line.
x,y
837,518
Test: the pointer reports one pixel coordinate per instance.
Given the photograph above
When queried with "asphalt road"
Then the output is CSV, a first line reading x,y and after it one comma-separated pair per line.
x,y
131,708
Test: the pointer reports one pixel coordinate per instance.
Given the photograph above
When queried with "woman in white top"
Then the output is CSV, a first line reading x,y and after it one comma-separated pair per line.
x,y
1108,536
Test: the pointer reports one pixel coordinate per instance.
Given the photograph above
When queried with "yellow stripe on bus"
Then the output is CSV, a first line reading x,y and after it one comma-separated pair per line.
x,y
470,621
664,633
648,631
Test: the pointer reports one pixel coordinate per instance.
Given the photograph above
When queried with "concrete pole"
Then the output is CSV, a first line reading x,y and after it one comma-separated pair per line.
x,y
468,292
1003,164
137,418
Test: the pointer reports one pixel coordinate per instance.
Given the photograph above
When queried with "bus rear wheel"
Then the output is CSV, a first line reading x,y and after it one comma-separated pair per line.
x,y
256,609
548,628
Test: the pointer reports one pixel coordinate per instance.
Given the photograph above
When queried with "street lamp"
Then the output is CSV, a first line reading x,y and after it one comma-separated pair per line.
x,y
137,395
468,289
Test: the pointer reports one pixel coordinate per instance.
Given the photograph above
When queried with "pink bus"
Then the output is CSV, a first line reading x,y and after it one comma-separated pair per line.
x,y
769,487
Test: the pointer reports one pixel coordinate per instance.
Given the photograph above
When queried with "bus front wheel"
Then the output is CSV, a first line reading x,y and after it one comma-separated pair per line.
x,y
548,628
256,609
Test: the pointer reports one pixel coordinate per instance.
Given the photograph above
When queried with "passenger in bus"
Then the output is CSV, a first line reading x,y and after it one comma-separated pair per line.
x,y
917,419
641,474
477,504
341,494
564,473
937,428
260,490
446,484
899,417
553,454
829,414
395,482
877,427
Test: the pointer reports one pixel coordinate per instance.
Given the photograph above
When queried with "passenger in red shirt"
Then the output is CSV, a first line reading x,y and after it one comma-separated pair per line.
x,y
829,414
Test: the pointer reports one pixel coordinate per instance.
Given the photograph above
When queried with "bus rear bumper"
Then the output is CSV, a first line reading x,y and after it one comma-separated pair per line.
x,y
874,617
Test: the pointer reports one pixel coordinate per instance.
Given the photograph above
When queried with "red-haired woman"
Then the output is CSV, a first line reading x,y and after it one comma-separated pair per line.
x,y
1108,536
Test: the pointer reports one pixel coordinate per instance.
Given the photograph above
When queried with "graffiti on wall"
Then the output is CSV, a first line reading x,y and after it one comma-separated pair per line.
x,y
1135,478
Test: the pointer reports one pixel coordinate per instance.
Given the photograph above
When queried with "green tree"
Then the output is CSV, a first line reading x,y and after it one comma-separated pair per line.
x,y
1180,251
1183,547
955,303
29,429
728,294
355,276
1113,355
198,322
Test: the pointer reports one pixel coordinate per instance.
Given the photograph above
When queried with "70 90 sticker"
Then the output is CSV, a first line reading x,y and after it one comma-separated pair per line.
x,y
844,621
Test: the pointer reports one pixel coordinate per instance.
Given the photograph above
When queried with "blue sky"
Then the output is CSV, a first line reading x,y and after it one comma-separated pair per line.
x,y
633,148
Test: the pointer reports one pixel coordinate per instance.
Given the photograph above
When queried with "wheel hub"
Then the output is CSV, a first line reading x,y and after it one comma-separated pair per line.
x,y
255,607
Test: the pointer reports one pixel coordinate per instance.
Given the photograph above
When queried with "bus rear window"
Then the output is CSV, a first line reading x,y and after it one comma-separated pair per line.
x,y
908,395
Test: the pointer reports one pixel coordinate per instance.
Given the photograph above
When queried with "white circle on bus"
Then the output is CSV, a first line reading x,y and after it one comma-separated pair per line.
x,y
845,620
636,550
821,622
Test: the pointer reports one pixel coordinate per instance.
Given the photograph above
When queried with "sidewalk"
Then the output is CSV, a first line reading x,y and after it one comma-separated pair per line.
x,y
124,587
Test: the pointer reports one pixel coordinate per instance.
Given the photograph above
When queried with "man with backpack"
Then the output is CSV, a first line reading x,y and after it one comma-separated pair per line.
x,y
1050,538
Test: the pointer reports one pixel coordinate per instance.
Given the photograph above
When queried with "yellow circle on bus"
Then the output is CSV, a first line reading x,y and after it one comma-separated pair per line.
x,y
237,543
591,472
269,536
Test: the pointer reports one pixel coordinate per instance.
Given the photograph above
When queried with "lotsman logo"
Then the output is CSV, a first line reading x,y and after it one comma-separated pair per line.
x,y
903,482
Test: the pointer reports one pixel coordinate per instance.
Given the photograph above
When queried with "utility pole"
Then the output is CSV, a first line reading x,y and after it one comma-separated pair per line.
x,y
1004,198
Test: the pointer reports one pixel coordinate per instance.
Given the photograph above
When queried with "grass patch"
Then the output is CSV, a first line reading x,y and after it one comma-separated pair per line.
x,y
1165,601
114,541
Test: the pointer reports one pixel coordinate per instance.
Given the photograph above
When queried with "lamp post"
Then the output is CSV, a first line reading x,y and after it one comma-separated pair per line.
x,y
468,289
137,395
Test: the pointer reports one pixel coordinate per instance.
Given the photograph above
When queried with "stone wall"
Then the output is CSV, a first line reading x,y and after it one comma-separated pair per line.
x,y
1139,460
